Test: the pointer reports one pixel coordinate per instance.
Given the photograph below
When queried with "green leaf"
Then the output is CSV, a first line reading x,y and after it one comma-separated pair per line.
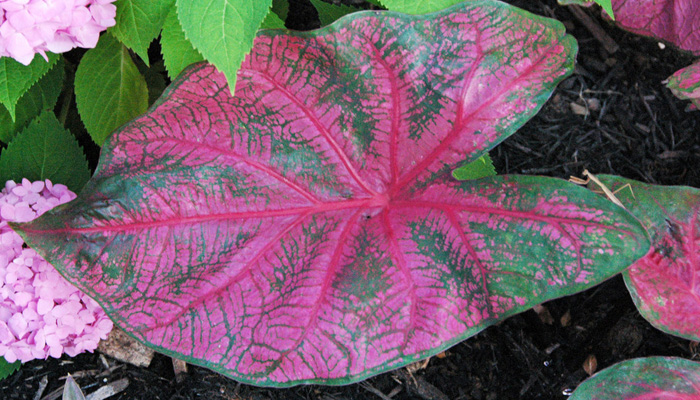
x,y
281,8
606,4
328,13
223,30
477,169
45,150
7,369
418,6
16,79
272,21
139,22
177,51
109,89
41,96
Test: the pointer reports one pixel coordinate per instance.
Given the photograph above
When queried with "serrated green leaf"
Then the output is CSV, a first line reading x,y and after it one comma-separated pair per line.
x,y
281,8
477,169
272,21
16,79
41,96
109,89
139,22
177,51
223,30
155,79
45,150
605,4
418,6
328,13
7,369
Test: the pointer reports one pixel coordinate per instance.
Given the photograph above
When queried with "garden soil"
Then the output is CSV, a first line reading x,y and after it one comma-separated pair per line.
x,y
612,116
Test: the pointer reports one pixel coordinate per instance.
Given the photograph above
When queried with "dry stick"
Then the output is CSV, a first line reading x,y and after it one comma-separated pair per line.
x,y
372,389
608,43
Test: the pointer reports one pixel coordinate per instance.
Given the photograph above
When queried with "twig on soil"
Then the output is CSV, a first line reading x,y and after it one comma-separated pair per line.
x,y
368,387
608,43
42,386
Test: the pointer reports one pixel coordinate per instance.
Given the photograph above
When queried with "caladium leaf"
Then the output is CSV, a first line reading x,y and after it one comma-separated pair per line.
x,y
309,230
648,378
685,84
673,21
665,284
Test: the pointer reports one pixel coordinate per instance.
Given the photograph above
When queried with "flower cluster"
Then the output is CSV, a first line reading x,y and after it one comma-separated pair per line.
x,y
28,27
41,314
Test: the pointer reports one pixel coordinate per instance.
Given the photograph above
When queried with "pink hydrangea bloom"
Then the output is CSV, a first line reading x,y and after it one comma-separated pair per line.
x,y
41,314
28,27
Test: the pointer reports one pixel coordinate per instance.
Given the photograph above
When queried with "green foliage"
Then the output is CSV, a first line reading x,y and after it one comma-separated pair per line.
x,y
272,21
418,6
177,51
7,369
479,168
281,8
328,13
16,79
45,150
606,4
109,89
139,22
41,96
223,30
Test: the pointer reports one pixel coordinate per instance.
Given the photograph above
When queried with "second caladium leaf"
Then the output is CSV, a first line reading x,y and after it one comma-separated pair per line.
x,y
685,84
673,21
309,230
651,378
665,284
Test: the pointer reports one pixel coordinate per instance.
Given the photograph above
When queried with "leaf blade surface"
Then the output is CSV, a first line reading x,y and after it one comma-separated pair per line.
x,y
642,379
309,230
665,283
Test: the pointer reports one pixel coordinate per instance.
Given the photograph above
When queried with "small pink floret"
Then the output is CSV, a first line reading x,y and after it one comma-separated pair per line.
x,y
30,27
41,314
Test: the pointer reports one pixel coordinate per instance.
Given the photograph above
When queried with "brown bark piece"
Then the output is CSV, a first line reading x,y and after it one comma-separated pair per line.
x,y
124,348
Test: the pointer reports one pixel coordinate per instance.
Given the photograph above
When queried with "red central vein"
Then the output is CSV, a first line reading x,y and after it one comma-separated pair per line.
x,y
198,219
246,269
395,112
472,253
397,254
506,213
461,121
319,127
327,280
256,165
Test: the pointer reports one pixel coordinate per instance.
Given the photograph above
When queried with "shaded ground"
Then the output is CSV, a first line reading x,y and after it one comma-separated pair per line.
x,y
636,128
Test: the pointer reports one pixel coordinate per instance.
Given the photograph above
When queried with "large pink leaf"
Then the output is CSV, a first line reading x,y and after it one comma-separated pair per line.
x,y
665,284
308,229
651,378
673,21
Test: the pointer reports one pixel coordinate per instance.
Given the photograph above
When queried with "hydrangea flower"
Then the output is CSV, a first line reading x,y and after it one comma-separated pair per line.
x,y
28,27
41,314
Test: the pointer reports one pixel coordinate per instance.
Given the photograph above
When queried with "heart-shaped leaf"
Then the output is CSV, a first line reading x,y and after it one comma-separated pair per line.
x,y
651,378
665,284
309,230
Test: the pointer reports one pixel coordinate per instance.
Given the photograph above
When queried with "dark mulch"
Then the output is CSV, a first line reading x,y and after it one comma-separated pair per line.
x,y
636,129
